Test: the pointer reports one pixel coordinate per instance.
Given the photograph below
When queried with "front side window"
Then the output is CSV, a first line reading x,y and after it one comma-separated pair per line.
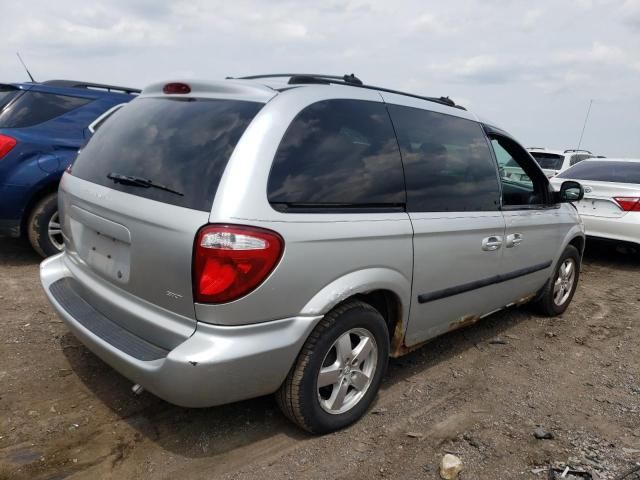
x,y
447,162
32,108
521,186
338,154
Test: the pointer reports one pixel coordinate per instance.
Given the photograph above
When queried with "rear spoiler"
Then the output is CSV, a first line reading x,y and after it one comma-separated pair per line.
x,y
91,85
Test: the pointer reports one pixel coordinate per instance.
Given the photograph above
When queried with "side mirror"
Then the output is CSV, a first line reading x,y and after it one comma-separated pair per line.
x,y
571,191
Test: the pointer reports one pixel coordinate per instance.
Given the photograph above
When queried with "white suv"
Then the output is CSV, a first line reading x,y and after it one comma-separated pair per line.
x,y
553,162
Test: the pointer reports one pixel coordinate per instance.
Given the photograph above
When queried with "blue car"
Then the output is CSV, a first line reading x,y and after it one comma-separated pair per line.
x,y
42,126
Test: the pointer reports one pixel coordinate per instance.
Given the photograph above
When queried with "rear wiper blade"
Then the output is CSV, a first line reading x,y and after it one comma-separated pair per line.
x,y
140,182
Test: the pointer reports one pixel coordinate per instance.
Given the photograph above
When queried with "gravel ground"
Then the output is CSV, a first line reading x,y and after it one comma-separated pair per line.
x,y
479,393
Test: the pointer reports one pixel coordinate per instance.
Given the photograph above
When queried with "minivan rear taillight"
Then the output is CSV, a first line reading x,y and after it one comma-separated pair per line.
x,y
230,261
628,204
6,144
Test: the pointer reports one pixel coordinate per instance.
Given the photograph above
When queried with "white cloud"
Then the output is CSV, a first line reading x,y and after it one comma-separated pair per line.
x,y
292,30
87,31
631,13
429,23
598,53
519,62
531,18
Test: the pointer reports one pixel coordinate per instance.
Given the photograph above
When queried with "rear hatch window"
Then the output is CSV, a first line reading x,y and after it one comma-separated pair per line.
x,y
604,171
549,161
180,144
32,108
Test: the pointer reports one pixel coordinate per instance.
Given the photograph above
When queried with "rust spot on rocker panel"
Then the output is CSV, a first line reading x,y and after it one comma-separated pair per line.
x,y
524,300
464,321
398,347
402,349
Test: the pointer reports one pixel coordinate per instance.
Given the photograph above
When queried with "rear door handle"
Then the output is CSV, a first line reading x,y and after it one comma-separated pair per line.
x,y
513,240
490,244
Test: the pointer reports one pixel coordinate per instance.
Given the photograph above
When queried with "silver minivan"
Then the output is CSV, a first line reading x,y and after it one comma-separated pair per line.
x,y
231,239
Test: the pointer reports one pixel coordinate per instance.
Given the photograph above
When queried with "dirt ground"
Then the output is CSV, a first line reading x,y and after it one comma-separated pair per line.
x,y
478,393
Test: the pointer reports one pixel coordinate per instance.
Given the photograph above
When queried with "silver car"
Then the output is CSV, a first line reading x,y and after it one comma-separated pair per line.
x,y
226,240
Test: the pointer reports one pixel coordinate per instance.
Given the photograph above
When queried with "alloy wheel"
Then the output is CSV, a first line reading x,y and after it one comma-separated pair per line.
x,y
347,371
54,230
563,285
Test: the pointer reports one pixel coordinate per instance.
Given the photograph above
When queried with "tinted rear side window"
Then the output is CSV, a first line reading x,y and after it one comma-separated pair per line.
x,y
604,171
338,153
32,108
447,162
549,160
183,144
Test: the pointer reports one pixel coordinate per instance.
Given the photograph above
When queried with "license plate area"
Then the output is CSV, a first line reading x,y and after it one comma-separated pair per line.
x,y
105,246
106,255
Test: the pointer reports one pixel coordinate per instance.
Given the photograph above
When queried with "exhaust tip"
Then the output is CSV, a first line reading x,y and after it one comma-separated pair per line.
x,y
137,389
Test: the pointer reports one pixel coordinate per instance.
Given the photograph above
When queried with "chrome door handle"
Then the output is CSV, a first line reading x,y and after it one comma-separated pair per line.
x,y
490,244
514,239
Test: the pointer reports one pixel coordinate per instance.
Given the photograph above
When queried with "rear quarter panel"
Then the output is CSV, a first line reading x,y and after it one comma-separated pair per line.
x,y
327,257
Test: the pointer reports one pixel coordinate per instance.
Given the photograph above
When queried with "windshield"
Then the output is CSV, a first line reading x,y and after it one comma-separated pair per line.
x,y
549,161
182,144
604,171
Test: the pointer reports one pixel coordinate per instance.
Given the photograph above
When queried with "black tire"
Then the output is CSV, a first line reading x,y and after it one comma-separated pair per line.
x,y
545,303
298,397
38,225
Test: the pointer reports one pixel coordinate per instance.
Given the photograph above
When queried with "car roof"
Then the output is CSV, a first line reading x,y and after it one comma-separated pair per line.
x,y
347,80
608,159
232,89
75,87
264,87
568,151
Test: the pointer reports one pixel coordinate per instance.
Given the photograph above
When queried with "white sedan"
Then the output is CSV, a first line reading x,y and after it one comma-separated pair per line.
x,y
611,204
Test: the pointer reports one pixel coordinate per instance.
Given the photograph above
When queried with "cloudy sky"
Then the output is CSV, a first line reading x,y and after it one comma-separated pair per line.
x,y
531,67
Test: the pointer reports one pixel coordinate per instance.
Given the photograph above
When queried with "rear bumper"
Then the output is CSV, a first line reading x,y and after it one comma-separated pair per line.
x,y
215,365
625,229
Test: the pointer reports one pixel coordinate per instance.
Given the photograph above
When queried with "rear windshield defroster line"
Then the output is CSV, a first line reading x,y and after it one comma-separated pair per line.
x,y
181,143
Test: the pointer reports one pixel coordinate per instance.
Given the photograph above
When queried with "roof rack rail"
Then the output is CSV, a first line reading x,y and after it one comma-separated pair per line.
x,y
349,80
90,85
573,150
352,79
